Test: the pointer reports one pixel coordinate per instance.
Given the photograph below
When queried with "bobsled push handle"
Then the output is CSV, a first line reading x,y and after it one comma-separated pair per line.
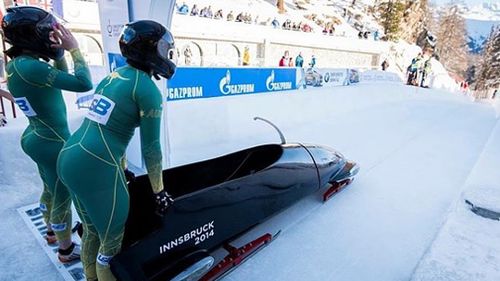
x,y
283,141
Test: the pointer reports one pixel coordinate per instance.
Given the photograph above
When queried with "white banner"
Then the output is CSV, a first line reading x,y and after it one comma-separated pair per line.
x,y
157,10
114,14
379,76
322,77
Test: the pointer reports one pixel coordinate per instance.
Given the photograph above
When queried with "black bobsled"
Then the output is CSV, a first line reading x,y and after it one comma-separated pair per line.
x,y
216,201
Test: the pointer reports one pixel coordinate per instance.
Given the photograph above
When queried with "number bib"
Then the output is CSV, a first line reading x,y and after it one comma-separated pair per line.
x,y
25,106
100,109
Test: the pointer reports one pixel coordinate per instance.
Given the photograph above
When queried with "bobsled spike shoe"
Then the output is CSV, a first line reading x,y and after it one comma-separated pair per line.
x,y
50,237
70,254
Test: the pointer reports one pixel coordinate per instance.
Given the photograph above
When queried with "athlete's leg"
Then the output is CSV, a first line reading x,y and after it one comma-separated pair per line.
x,y
109,219
60,212
55,196
45,208
60,215
90,242
30,143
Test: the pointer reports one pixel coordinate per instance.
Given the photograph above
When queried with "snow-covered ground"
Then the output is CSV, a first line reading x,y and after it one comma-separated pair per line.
x,y
417,148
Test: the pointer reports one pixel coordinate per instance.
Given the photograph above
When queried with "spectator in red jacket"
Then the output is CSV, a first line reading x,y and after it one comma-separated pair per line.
x,y
284,59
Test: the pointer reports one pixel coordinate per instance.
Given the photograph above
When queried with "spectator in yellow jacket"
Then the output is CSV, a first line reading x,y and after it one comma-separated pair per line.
x,y
246,56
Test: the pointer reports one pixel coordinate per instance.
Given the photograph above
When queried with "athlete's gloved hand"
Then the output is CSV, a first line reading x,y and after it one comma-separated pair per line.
x,y
129,176
163,202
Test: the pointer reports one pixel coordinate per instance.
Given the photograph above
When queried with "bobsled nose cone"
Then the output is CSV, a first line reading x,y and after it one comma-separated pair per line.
x,y
353,168
348,172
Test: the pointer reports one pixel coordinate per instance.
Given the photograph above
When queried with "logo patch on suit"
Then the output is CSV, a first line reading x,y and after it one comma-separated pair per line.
x,y
100,109
25,106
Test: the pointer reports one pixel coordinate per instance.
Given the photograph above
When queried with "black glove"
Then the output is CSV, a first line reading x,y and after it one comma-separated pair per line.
x,y
129,176
163,202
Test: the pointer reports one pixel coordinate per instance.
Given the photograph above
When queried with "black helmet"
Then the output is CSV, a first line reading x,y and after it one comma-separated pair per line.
x,y
149,46
28,28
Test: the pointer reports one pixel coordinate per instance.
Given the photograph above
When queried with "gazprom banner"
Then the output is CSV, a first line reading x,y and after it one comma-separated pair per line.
x,y
203,82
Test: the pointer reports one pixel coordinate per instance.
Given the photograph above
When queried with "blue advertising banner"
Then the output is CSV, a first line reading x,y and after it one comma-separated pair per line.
x,y
204,82
115,61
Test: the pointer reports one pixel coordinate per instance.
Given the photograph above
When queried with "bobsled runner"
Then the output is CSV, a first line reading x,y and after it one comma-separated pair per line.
x,y
217,201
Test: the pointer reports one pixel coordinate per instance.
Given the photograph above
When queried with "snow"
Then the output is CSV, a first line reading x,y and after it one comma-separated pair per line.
x,y
467,246
486,197
485,11
440,78
416,148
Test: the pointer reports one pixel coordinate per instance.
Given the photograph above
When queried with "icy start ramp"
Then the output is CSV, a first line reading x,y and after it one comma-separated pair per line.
x,y
32,216
416,148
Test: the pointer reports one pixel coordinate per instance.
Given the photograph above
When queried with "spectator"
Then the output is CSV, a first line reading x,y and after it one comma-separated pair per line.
x,y
239,17
219,15
290,62
183,9
246,56
385,65
230,16
275,23
426,72
187,55
313,61
284,59
209,13
248,18
413,70
203,12
256,20
195,11
299,60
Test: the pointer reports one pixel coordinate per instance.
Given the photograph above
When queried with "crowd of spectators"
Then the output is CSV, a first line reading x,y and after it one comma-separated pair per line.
x,y
244,17
287,60
327,26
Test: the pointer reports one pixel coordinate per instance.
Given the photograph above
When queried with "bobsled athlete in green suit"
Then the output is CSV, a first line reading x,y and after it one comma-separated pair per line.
x,y
90,163
36,37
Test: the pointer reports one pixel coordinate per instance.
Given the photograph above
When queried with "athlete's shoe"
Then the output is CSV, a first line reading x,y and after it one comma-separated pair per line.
x,y
51,238
70,254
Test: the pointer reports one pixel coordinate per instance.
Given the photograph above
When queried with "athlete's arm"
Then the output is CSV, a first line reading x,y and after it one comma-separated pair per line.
x,y
44,75
149,100
61,64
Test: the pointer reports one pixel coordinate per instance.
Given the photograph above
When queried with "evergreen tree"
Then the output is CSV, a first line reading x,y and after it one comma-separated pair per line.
x,y
452,43
390,15
415,19
488,76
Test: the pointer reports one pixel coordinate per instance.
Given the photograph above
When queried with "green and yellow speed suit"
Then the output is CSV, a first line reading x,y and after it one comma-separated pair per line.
x,y
90,162
36,87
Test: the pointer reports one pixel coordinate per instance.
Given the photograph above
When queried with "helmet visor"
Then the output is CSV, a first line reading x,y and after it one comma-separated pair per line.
x,y
46,25
43,31
166,48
